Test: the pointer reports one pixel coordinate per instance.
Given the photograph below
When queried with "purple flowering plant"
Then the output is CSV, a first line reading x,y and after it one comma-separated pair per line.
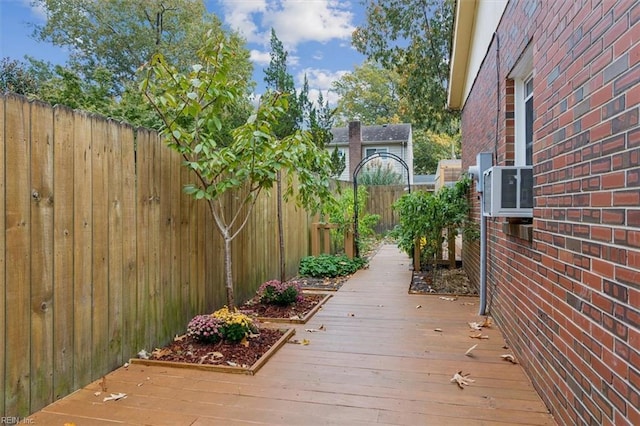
x,y
205,328
278,293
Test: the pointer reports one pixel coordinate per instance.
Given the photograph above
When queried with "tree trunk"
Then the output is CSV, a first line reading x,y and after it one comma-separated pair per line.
x,y
231,302
283,272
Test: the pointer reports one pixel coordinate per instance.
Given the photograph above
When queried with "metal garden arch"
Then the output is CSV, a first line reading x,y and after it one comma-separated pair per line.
x,y
355,189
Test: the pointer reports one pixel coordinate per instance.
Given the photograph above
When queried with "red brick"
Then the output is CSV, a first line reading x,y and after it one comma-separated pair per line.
x,y
614,180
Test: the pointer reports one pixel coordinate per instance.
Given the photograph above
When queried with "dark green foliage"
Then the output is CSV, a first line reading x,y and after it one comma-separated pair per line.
x,y
327,265
425,214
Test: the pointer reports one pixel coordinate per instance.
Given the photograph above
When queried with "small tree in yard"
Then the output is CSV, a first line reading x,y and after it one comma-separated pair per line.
x,y
191,105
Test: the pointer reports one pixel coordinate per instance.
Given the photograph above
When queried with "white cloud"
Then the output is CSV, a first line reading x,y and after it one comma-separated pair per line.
x,y
242,15
321,79
260,58
300,21
294,21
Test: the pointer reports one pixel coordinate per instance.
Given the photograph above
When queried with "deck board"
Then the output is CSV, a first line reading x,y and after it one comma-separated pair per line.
x,y
378,361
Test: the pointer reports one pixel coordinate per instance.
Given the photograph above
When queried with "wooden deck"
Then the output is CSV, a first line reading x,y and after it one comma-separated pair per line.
x,y
379,361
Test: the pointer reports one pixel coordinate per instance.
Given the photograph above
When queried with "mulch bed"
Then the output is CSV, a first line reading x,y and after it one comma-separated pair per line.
x,y
186,349
297,310
444,281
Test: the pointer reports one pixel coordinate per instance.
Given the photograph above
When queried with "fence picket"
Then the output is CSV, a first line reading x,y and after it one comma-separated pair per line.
x,y
129,241
115,242
3,286
18,255
42,199
82,250
63,236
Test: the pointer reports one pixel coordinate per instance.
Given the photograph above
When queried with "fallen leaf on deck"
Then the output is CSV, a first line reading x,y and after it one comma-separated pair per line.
x,y
114,397
97,393
179,338
143,354
510,358
487,322
322,327
461,379
468,352
419,306
295,317
352,315
69,424
313,330
439,330
475,326
103,384
245,342
449,299
299,342
380,306
479,336
126,365
232,364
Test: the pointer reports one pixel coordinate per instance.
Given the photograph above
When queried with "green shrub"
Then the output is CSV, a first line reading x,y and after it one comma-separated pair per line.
x,y
329,266
342,214
279,293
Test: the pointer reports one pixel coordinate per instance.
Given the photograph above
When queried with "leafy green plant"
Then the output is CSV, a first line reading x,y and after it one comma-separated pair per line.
x,y
280,293
341,213
425,214
379,173
327,265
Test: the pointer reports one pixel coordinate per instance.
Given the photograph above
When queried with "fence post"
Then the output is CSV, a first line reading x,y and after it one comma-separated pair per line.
x,y
349,248
315,239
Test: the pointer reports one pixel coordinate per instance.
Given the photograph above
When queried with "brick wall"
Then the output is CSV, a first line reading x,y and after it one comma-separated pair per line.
x,y
569,300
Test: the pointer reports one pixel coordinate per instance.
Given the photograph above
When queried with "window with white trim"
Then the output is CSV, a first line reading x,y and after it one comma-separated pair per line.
x,y
371,151
522,76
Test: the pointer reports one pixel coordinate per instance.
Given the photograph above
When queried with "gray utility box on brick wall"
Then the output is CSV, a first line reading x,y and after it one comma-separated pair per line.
x,y
508,191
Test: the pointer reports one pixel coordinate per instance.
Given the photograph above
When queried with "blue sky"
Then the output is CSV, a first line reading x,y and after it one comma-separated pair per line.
x,y
316,33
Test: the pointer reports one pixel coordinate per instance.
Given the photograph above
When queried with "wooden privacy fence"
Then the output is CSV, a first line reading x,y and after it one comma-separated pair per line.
x,y
101,253
381,199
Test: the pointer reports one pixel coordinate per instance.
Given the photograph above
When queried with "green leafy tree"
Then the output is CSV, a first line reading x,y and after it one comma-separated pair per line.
x,y
413,38
430,147
369,94
191,105
338,163
110,39
16,77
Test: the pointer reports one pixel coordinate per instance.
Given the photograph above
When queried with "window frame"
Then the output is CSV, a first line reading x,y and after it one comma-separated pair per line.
x,y
523,77
375,150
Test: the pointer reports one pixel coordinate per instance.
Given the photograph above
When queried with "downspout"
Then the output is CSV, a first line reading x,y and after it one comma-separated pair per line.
x,y
483,259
